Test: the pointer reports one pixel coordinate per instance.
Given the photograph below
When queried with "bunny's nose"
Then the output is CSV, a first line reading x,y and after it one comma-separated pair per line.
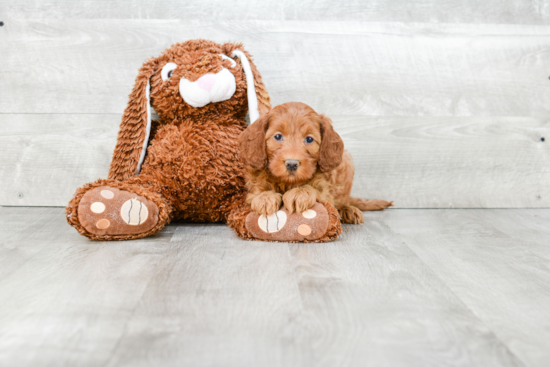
x,y
206,81
292,164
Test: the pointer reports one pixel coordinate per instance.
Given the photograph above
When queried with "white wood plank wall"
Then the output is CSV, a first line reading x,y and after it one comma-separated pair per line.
x,y
442,103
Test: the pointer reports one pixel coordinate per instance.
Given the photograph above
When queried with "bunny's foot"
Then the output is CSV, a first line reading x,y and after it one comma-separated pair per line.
x,y
108,212
320,223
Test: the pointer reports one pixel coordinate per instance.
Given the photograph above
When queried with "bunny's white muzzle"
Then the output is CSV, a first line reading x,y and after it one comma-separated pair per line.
x,y
208,88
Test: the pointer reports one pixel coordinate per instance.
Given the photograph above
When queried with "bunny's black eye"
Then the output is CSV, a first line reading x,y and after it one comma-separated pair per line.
x,y
278,137
309,140
224,57
167,71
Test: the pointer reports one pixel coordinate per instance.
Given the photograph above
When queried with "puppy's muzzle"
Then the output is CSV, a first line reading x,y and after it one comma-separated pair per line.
x,y
292,164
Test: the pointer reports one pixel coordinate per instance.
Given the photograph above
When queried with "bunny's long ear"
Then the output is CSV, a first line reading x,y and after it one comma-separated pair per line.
x,y
258,98
133,136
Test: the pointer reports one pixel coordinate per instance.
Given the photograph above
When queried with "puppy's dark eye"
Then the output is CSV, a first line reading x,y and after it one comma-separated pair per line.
x,y
278,137
170,73
309,140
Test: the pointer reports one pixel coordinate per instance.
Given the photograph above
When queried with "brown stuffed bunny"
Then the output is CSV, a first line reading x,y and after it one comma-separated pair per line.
x,y
186,166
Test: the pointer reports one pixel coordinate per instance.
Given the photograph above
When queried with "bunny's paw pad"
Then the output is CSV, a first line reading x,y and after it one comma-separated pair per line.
x,y
282,226
108,210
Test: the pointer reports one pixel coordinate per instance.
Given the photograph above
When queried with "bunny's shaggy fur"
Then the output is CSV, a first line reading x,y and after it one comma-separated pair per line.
x,y
192,169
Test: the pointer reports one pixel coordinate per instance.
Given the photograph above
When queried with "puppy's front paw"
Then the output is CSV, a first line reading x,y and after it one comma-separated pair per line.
x,y
300,199
351,214
267,203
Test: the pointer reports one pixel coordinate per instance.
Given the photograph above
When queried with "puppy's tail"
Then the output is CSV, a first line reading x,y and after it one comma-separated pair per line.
x,y
370,205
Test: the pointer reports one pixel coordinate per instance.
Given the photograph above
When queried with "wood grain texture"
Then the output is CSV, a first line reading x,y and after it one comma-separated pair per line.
x,y
25,232
456,162
422,162
494,269
65,300
365,296
444,11
47,157
348,68
446,103
197,295
350,307
216,301
527,229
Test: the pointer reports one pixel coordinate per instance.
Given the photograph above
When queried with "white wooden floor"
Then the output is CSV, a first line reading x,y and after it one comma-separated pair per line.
x,y
408,288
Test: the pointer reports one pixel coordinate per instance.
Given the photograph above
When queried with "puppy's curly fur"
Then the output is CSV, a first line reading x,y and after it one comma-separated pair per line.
x,y
294,157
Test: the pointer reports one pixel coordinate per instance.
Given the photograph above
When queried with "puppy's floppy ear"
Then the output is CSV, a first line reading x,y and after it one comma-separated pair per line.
x,y
258,98
133,136
252,143
331,150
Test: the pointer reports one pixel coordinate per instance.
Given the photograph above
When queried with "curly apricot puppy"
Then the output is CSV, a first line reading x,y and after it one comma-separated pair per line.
x,y
293,156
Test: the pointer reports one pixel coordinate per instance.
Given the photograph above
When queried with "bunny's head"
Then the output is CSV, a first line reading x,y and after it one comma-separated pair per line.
x,y
197,78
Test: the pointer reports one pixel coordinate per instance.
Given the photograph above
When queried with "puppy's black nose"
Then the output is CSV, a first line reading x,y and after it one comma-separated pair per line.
x,y
292,164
